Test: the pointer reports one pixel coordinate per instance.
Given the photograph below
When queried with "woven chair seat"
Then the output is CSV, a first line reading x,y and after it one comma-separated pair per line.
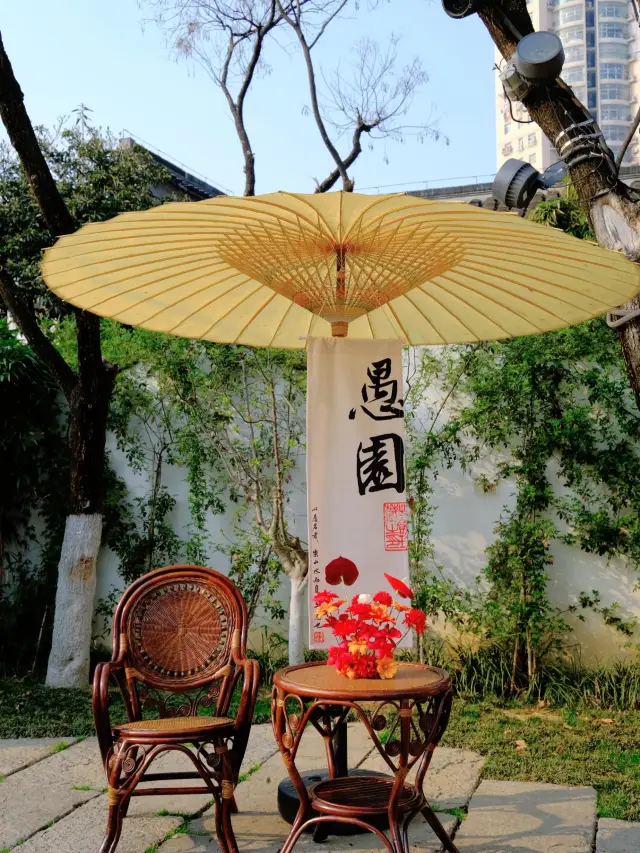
x,y
173,725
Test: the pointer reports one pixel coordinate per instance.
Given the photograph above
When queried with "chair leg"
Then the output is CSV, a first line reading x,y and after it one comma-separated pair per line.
x,y
117,811
226,803
439,830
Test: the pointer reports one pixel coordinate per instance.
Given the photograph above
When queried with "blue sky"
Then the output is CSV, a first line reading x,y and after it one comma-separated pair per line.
x,y
85,51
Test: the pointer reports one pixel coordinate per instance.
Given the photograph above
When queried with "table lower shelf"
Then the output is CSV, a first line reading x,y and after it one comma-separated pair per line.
x,y
361,796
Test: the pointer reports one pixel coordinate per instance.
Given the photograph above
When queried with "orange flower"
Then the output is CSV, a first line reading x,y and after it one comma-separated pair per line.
x,y
403,608
387,667
327,607
380,613
358,646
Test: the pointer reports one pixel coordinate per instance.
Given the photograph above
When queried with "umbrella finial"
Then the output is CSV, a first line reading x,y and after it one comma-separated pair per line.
x,y
340,329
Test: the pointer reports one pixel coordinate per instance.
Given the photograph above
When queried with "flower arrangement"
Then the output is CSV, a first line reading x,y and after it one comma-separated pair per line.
x,y
366,630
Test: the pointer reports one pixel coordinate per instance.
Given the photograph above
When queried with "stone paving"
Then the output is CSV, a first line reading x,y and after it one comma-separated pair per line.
x,y
52,801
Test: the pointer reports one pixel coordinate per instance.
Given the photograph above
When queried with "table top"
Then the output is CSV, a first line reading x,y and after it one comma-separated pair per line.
x,y
317,680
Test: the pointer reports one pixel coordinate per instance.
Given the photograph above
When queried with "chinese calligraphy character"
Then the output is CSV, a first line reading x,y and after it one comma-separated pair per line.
x,y
381,465
381,394
396,533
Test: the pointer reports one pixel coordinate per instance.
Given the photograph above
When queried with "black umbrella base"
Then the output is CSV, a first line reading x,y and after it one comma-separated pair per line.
x,y
289,802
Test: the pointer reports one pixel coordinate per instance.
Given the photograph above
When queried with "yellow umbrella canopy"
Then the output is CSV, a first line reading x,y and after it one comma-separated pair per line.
x,y
275,269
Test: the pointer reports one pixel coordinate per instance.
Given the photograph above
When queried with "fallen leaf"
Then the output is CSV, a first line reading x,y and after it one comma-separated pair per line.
x,y
607,721
507,731
521,745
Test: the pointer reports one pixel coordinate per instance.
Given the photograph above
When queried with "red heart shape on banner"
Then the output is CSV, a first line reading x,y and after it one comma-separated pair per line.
x,y
341,570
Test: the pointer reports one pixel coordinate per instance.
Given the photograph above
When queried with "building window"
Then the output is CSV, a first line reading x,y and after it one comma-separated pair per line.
x,y
507,149
613,10
574,54
611,30
590,18
573,13
571,34
614,132
591,58
615,112
591,80
573,75
532,159
592,100
613,71
531,139
614,92
591,38
611,50
521,144
507,128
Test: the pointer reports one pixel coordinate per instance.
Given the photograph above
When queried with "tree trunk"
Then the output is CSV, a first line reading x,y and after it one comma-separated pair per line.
x,y
88,407
614,215
69,658
296,620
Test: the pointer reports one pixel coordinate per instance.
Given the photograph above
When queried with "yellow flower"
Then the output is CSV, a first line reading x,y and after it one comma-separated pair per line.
x,y
327,607
387,667
351,673
403,608
358,647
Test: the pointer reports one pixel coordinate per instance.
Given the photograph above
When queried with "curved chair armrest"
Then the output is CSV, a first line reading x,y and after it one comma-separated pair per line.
x,y
100,703
244,718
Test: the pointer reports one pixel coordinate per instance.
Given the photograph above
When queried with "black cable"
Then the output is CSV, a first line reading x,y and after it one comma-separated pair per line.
x,y
627,140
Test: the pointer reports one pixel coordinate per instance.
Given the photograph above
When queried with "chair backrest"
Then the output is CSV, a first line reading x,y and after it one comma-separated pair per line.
x,y
180,627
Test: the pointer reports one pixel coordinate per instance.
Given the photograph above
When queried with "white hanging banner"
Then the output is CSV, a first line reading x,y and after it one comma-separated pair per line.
x,y
355,466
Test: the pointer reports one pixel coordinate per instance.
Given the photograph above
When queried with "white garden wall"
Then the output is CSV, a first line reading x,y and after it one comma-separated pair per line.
x,y
463,528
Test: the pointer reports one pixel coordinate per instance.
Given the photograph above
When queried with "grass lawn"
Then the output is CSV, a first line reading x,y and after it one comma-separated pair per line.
x,y
597,748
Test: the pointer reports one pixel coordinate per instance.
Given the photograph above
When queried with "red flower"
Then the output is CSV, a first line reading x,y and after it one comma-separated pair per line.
x,y
416,619
341,570
361,610
343,625
324,596
399,586
365,666
383,597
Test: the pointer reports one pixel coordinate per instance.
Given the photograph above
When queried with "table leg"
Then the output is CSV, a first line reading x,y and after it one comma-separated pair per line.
x,y
340,750
286,751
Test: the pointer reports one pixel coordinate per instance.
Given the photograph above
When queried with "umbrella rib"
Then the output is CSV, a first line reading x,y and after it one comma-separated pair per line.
x,y
179,300
226,313
421,312
134,276
542,262
580,281
505,290
396,318
255,314
433,284
170,285
459,285
280,324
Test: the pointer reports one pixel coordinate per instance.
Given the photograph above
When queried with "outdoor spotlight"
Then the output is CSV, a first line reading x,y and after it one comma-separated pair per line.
x,y
462,8
515,86
516,183
539,57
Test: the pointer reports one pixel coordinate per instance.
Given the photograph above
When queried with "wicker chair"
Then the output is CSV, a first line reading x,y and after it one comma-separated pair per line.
x,y
179,641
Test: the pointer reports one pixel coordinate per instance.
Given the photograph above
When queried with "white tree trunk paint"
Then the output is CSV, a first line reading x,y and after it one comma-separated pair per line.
x,y
297,622
69,658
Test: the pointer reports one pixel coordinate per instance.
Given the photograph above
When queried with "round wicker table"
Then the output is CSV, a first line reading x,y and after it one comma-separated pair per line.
x,y
412,710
